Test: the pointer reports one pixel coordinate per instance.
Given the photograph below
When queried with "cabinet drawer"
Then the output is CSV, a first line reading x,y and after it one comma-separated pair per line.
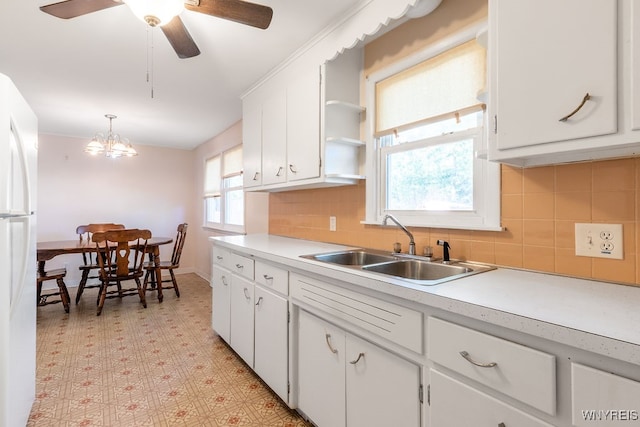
x,y
393,322
519,372
242,265
455,404
222,257
603,399
272,277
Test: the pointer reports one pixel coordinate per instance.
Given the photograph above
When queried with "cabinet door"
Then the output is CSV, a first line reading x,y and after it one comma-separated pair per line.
x,y
242,318
455,404
603,399
321,377
220,317
382,389
548,55
252,141
274,138
271,341
303,126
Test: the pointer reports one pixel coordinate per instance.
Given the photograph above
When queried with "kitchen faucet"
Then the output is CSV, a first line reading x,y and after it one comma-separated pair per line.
x,y
412,243
445,251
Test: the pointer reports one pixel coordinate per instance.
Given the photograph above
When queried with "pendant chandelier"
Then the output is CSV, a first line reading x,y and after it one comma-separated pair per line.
x,y
111,144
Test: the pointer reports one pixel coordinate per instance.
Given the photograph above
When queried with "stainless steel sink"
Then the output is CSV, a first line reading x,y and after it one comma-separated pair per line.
x,y
354,257
418,270
405,267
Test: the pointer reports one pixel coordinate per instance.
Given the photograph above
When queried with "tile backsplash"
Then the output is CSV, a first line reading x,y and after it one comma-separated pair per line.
x,y
539,209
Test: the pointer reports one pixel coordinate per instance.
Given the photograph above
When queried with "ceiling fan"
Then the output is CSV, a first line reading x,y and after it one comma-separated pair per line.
x,y
166,16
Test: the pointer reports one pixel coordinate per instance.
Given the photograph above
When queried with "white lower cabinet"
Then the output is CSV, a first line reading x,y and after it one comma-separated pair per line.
x,y
251,313
456,404
603,399
346,381
272,341
242,326
221,301
321,379
484,362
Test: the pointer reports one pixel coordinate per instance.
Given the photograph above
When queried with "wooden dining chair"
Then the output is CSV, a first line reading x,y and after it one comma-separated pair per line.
x,y
121,259
89,260
58,275
170,265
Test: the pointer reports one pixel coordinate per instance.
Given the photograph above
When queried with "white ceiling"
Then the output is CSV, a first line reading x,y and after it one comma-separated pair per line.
x,y
73,72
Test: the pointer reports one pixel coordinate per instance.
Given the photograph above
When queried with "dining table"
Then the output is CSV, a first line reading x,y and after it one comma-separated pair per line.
x,y
51,249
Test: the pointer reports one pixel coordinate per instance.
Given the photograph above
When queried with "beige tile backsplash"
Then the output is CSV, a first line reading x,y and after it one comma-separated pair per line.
x,y
539,209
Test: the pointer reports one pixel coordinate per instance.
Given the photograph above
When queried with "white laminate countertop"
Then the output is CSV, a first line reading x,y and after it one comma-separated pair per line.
x,y
600,317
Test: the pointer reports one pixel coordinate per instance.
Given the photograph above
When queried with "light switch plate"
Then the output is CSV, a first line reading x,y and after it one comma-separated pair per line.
x,y
599,240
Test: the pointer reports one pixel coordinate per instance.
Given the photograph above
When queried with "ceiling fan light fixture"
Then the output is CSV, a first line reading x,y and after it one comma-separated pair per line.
x,y
156,12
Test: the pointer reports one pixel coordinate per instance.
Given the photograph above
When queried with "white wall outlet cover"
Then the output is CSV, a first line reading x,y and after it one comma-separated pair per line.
x,y
332,223
599,240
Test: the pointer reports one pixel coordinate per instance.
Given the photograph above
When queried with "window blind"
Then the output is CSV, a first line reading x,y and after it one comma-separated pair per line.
x,y
447,83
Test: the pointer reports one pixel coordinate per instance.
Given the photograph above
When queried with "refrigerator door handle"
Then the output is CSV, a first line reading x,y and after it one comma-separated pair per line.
x,y
23,172
5,216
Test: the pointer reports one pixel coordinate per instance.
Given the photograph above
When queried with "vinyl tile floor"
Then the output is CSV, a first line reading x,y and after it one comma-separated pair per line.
x,y
159,366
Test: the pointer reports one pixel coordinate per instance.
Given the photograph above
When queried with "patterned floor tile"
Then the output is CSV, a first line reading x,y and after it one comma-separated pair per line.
x,y
160,366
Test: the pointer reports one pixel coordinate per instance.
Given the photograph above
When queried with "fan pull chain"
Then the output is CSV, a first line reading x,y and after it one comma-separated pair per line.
x,y
150,55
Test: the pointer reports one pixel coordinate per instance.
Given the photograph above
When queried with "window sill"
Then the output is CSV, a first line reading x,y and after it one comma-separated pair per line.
x,y
440,226
224,230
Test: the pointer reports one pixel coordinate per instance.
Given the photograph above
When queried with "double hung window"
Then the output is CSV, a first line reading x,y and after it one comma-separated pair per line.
x,y
426,141
224,196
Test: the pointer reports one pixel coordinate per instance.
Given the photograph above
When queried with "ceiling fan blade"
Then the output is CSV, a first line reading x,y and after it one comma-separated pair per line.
x,y
73,8
180,38
252,14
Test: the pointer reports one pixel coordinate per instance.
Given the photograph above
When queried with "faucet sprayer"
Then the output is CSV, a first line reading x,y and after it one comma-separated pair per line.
x,y
445,251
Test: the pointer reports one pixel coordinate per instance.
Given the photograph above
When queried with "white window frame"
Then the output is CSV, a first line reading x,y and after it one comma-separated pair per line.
x,y
223,190
486,215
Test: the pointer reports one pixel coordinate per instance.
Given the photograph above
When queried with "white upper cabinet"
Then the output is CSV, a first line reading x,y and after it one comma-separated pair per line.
x,y
561,81
252,142
303,131
303,125
274,138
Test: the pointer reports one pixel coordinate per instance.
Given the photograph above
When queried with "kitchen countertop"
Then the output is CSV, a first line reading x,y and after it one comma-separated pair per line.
x,y
599,317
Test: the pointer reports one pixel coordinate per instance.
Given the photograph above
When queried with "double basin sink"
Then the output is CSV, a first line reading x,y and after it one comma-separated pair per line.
x,y
415,269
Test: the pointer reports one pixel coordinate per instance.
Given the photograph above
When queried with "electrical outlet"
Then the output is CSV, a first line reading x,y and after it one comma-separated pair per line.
x,y
599,240
332,223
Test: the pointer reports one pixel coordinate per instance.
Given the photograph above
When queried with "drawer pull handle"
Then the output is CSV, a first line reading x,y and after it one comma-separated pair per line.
x,y
239,266
255,176
279,171
473,362
224,280
246,293
584,100
328,338
360,356
266,277
259,300
293,169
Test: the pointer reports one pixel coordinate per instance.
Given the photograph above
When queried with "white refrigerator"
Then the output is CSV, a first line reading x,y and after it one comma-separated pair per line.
x,y
18,162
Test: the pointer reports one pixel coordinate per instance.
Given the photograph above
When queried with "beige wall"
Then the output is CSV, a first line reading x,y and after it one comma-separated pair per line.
x,y
539,205
158,189
257,204
153,190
